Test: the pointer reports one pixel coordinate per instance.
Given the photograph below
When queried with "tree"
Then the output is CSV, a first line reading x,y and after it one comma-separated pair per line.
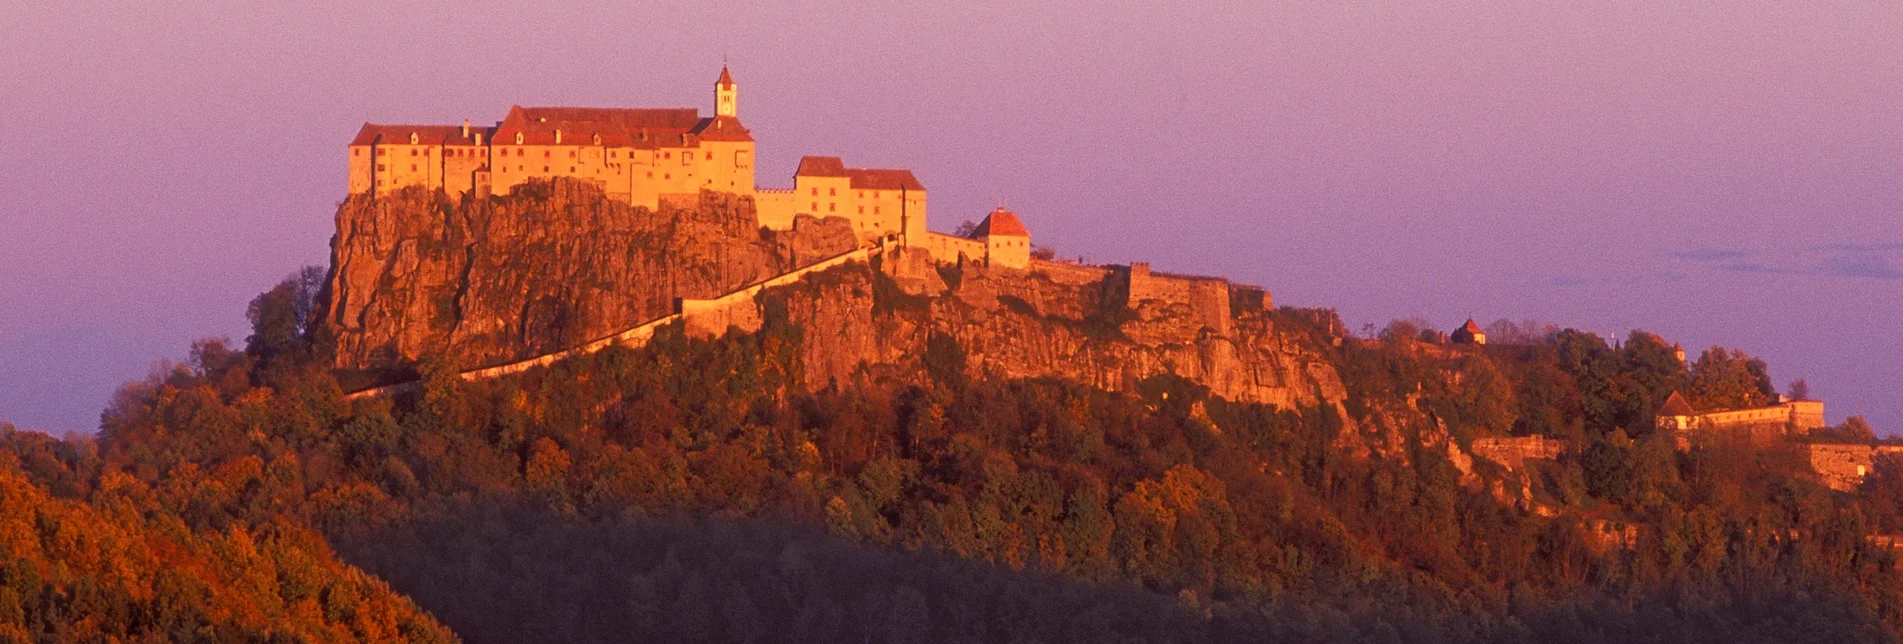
x,y
1798,390
1728,379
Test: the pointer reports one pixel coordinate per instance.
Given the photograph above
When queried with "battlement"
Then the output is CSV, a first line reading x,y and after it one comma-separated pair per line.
x,y
1842,466
1756,424
1212,301
1514,452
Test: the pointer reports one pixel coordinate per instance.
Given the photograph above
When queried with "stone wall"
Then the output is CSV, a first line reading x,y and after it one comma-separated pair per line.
x,y
1513,452
1842,467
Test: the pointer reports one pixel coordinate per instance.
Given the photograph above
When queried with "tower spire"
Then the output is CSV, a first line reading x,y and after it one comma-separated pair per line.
x,y
726,93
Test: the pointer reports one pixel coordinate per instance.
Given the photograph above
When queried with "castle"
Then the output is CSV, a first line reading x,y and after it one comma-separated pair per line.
x,y
649,156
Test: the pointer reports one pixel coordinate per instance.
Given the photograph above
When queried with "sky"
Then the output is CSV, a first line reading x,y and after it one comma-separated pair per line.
x,y
1719,173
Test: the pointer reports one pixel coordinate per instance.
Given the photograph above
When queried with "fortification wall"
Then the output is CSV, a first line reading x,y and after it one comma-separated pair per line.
x,y
1840,467
1209,304
774,207
1070,274
1513,452
947,248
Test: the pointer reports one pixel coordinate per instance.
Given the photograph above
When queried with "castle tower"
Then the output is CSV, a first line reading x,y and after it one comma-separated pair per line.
x,y
726,94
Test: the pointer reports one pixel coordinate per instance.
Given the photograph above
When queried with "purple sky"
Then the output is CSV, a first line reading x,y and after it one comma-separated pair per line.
x,y
1720,173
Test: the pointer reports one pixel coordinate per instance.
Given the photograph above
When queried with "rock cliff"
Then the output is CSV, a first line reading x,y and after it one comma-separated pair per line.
x,y
1048,320
553,265
556,265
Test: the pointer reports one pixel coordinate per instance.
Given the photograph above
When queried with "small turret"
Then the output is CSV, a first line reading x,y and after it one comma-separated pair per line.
x,y
1468,333
726,94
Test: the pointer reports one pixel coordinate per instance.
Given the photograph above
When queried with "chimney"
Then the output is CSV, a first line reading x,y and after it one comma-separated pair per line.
x,y
465,128
478,138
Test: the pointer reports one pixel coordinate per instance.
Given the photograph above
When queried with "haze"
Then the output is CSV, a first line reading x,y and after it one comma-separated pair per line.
x,y
1719,173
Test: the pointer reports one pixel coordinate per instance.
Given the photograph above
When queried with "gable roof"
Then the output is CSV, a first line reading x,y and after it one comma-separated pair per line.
x,y
646,128
721,128
726,79
1676,405
880,179
1003,223
376,134
811,166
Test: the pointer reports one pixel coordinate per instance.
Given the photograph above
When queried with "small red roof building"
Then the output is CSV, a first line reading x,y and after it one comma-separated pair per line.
x,y
1001,222
1468,333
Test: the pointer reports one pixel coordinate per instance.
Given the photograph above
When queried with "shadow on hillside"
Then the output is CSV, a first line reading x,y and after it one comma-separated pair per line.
x,y
514,575
502,574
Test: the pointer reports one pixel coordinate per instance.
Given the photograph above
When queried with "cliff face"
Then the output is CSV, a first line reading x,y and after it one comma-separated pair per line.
x,y
555,266
1050,320
548,267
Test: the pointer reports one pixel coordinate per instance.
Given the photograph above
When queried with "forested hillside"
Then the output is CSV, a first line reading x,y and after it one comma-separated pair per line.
x,y
910,452
693,490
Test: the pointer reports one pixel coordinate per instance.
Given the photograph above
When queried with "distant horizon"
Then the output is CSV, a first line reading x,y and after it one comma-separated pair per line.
x,y
1717,175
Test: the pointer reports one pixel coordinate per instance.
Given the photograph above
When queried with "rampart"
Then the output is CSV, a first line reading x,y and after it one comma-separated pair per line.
x,y
1212,301
1842,466
1513,452
1763,425
948,248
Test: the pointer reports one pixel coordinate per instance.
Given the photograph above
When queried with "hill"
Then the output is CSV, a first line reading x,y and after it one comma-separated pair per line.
x,y
903,450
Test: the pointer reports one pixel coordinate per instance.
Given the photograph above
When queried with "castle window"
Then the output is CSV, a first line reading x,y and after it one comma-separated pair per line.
x,y
875,210
832,207
862,210
710,156
816,192
412,167
832,192
571,169
547,154
381,152
669,176
545,168
571,154
356,152
382,168
412,151
815,206
667,155
650,175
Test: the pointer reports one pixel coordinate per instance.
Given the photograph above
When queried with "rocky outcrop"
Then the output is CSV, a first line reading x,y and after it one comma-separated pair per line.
x,y
550,266
555,266
1049,320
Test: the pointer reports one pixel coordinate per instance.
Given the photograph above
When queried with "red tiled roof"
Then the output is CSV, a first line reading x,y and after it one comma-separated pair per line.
x,y
726,79
374,134
621,127
1676,405
721,128
877,179
811,166
1001,222
1472,328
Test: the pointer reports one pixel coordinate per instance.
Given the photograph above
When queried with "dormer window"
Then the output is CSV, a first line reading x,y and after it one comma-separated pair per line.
x,y
558,137
518,138
414,138
597,139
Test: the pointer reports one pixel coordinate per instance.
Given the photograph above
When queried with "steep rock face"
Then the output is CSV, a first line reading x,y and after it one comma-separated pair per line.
x,y
553,265
1027,323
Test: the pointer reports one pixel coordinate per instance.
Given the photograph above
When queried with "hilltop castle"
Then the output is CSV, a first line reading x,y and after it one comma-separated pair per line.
x,y
648,156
